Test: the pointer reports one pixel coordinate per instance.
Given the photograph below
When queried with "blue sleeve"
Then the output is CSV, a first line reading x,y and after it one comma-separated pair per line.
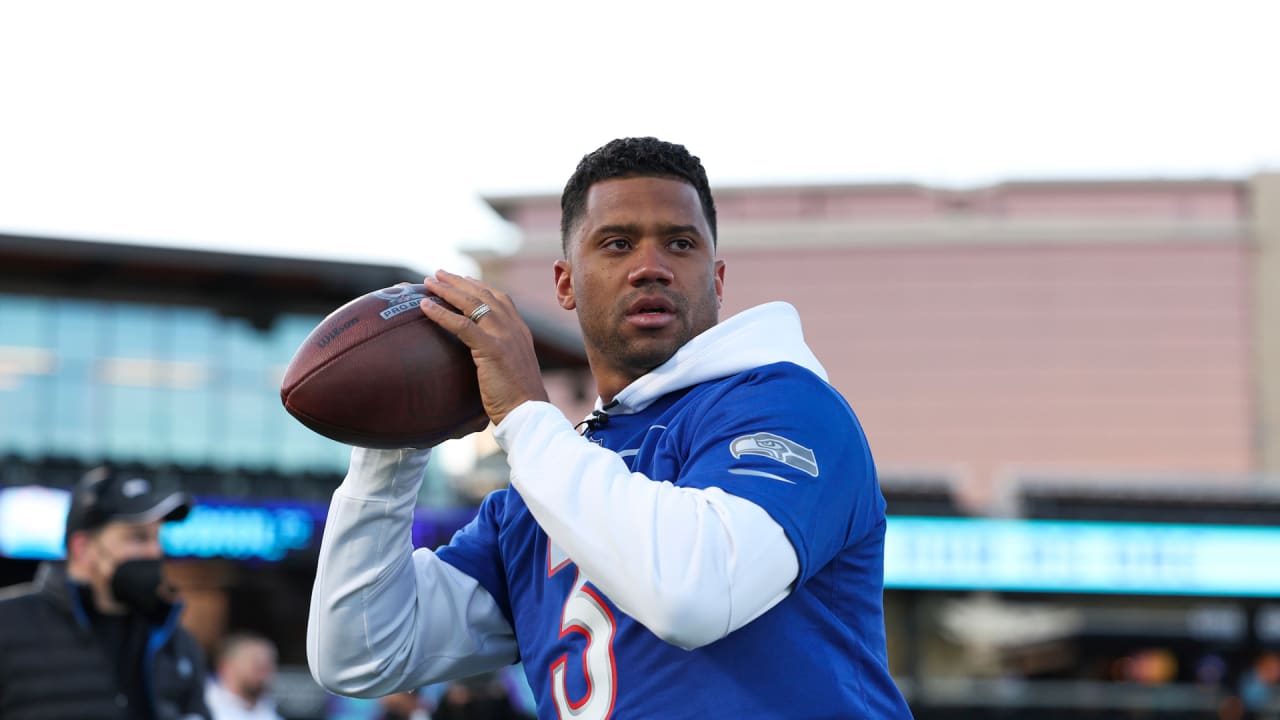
x,y
782,438
474,550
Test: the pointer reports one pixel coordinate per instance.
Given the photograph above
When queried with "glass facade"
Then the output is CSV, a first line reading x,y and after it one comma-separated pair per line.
x,y
124,382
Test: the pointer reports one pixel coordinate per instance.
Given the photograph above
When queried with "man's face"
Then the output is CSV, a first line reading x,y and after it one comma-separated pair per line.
x,y
115,543
642,275
255,669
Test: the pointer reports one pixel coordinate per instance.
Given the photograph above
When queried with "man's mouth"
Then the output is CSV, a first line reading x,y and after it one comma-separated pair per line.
x,y
649,305
651,312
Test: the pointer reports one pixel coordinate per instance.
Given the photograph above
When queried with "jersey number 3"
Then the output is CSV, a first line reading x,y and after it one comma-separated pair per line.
x,y
585,612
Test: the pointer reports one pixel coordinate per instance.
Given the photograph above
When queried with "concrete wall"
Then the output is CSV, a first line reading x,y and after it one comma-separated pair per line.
x,y
1265,208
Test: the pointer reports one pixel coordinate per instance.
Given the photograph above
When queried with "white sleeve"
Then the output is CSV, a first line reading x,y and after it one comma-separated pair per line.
x,y
691,565
386,618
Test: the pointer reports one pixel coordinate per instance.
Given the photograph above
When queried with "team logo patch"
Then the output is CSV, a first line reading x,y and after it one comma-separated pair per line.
x,y
777,448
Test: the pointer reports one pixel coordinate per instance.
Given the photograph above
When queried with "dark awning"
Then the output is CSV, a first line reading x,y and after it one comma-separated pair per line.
x,y
258,288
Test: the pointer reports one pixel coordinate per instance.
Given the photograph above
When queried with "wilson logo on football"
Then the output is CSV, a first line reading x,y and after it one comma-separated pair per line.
x,y
334,333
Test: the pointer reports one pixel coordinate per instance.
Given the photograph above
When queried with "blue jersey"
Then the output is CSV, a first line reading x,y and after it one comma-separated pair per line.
x,y
778,436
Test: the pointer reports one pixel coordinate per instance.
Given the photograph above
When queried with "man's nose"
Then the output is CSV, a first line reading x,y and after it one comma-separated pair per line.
x,y
651,265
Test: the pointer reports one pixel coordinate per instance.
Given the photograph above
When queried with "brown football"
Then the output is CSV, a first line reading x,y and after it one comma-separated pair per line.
x,y
377,373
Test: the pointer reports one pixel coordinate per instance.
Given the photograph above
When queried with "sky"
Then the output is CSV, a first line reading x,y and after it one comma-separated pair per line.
x,y
372,130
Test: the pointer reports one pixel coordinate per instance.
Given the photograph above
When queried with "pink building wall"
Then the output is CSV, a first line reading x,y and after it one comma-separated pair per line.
x,y
989,360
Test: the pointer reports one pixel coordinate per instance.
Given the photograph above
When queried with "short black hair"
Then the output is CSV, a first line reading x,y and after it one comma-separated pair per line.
x,y
627,158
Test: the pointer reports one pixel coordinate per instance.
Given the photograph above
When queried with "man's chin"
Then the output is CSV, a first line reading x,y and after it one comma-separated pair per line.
x,y
647,356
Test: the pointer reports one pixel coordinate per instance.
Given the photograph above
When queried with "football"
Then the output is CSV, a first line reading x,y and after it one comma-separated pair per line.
x,y
377,373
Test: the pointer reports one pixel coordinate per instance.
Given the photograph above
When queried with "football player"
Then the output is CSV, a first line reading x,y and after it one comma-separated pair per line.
x,y
710,546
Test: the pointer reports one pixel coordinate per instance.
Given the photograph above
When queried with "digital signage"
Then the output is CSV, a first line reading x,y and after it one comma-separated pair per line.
x,y
32,520
1082,557
921,553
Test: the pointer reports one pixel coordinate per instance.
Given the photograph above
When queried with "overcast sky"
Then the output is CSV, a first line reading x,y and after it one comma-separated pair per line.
x,y
371,129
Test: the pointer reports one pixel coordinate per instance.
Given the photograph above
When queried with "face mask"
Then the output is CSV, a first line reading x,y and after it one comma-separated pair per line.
x,y
138,585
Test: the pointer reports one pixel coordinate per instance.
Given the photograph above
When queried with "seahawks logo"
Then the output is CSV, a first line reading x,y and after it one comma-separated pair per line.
x,y
777,448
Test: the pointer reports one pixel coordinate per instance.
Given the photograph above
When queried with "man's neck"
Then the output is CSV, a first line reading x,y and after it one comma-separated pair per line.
x,y
103,601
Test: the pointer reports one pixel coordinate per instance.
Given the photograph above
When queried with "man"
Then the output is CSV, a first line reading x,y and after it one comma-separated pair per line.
x,y
479,697
246,667
712,546
402,706
98,636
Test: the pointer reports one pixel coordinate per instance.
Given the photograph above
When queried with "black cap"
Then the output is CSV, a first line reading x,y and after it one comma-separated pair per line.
x,y
103,496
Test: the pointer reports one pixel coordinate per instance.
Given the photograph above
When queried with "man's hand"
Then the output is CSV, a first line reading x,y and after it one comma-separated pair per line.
x,y
501,344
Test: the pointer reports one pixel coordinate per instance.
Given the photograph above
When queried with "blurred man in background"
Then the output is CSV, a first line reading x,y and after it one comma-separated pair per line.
x,y
246,667
479,697
402,706
98,635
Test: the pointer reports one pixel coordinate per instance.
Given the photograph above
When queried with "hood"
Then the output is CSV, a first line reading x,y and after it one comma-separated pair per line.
x,y
763,335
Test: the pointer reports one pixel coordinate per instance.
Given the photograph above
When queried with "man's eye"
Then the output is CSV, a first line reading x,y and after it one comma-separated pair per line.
x,y
617,243
682,244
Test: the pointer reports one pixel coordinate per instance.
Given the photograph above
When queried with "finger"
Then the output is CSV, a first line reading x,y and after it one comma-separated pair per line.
x,y
451,292
455,323
464,283
479,291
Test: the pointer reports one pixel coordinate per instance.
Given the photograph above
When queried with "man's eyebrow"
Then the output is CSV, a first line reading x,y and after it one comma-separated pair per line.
x,y
617,229
635,229
681,230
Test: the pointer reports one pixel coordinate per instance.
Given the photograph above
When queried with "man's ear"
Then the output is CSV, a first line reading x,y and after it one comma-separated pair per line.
x,y
77,545
564,285
719,281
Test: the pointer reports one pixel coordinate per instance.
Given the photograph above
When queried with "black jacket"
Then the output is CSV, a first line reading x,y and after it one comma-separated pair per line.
x,y
53,665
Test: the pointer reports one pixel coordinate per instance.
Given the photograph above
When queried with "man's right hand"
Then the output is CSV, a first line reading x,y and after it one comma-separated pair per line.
x,y
500,341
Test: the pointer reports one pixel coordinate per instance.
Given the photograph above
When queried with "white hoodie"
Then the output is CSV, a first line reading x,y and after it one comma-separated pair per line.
x,y
385,617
